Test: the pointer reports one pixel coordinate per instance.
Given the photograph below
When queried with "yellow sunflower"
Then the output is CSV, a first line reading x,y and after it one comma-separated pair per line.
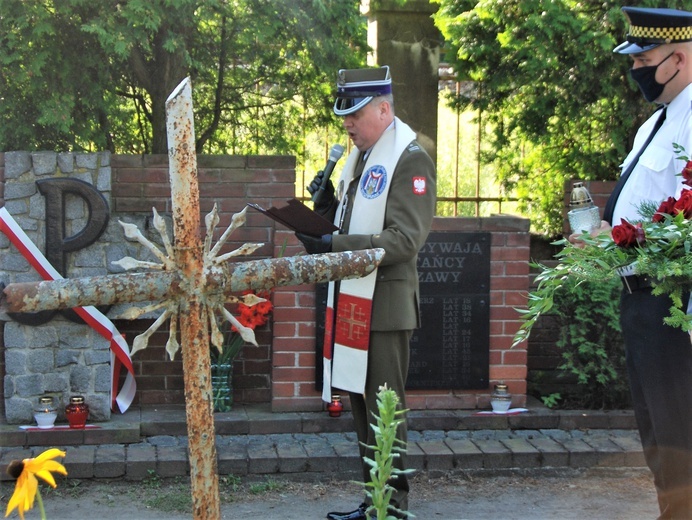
x,y
26,472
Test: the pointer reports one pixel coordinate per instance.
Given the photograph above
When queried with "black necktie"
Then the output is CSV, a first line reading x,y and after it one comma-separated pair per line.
x,y
610,205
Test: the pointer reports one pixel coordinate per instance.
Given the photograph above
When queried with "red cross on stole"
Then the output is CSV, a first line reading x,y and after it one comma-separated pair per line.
x,y
352,324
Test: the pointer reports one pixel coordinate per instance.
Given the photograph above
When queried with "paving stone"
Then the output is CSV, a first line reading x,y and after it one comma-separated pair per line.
x,y
466,454
232,458
495,454
457,434
438,456
553,454
163,440
524,455
433,435
171,461
141,461
262,457
632,448
79,461
611,455
497,443
109,461
321,454
10,454
292,456
526,434
415,456
555,433
581,455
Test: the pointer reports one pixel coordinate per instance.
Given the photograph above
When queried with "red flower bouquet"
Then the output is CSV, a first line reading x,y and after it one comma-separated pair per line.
x,y
253,311
658,246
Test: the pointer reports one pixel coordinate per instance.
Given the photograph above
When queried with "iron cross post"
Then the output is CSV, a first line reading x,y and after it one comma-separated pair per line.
x,y
191,283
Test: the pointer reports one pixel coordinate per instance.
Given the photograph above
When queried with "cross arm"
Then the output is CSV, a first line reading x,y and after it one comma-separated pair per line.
x,y
222,280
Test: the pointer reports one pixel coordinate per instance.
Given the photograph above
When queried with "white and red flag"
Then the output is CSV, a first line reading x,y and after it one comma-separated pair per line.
x,y
120,352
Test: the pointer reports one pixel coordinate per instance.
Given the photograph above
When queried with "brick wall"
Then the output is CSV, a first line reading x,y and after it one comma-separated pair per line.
x,y
140,183
282,369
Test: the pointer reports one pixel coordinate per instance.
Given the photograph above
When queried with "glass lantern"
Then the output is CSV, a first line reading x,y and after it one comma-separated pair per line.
x,y
77,412
500,399
583,215
336,406
45,412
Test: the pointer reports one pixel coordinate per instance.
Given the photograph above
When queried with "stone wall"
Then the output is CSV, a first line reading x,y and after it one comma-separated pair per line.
x,y
59,357
281,371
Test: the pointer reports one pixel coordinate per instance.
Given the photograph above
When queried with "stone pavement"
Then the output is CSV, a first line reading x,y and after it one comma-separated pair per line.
x,y
254,441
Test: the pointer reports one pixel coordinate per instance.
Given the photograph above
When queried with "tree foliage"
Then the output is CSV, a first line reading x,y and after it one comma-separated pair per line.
x,y
78,74
560,102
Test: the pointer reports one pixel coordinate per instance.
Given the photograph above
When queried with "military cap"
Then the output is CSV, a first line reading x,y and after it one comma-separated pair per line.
x,y
651,27
355,88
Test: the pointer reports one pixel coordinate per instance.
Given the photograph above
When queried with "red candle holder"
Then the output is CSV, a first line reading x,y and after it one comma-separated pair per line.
x,y
77,412
336,406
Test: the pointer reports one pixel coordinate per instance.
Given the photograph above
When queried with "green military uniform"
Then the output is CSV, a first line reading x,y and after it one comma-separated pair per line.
x,y
395,303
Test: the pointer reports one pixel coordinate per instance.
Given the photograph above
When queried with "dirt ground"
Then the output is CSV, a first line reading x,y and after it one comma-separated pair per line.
x,y
583,496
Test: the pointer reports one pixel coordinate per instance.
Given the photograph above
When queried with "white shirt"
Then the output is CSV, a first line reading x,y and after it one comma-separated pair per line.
x,y
656,175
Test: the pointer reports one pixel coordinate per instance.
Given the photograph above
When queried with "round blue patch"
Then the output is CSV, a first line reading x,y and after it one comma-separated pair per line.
x,y
373,181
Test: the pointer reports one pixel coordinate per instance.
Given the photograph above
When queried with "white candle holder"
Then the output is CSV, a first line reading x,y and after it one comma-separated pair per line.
x,y
45,413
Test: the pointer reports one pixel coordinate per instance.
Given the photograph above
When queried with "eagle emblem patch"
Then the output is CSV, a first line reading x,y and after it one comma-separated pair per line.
x,y
419,186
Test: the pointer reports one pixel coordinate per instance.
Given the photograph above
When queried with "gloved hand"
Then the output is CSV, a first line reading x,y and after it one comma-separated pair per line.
x,y
327,197
316,245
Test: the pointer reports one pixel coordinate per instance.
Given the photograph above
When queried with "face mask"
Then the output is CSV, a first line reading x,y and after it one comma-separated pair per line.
x,y
645,77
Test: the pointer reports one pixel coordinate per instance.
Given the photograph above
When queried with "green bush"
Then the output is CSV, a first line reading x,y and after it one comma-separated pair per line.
x,y
592,346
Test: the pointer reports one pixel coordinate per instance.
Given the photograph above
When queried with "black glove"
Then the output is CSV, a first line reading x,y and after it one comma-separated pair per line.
x,y
316,245
327,198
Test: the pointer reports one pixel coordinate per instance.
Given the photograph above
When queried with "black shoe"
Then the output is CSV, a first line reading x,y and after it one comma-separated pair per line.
x,y
358,514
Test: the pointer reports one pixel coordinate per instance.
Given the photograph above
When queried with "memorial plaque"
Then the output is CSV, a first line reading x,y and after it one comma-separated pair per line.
x,y
451,350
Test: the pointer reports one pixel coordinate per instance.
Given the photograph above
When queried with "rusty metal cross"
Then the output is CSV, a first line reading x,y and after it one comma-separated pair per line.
x,y
190,283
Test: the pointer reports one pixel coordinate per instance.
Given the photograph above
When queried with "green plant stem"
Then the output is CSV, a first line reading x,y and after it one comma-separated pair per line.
x,y
387,448
40,504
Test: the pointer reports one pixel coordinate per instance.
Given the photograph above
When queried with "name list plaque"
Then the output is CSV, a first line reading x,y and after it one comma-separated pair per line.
x,y
451,350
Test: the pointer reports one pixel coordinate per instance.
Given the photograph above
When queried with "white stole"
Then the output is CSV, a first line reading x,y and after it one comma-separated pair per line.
x,y
347,331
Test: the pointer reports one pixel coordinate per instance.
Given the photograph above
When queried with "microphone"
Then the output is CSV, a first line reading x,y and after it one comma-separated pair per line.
x,y
334,155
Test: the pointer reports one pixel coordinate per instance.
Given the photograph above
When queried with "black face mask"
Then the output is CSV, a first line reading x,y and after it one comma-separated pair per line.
x,y
645,77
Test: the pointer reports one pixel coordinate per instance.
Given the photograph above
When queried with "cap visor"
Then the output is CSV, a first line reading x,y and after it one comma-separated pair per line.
x,y
345,106
633,48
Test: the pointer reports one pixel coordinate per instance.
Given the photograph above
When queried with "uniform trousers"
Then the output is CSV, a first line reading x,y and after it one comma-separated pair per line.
x,y
388,358
659,365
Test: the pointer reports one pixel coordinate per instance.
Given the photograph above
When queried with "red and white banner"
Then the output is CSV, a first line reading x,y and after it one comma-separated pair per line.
x,y
120,352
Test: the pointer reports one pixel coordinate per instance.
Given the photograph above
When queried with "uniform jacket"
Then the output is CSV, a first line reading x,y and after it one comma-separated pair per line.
x,y
407,221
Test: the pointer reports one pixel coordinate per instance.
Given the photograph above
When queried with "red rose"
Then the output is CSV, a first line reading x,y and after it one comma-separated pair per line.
x,y
627,235
684,203
667,207
687,173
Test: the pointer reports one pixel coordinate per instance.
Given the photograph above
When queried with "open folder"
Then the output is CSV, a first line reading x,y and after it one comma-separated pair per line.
x,y
297,216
